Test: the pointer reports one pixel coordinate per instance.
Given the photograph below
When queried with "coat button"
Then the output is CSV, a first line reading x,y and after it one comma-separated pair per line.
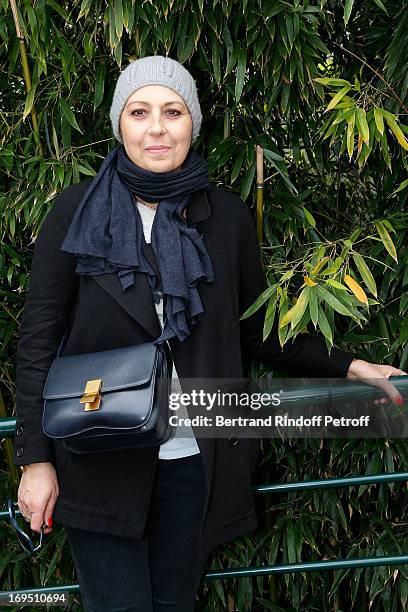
x,y
20,452
19,430
233,441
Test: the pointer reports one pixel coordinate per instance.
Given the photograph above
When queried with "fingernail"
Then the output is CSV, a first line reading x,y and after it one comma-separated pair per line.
x,y
399,401
50,522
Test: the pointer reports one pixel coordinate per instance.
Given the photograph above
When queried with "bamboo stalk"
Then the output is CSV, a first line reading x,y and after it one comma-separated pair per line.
x,y
26,72
259,193
227,124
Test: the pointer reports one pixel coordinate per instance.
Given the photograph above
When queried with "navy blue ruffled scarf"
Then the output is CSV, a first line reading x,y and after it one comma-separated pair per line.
x,y
106,234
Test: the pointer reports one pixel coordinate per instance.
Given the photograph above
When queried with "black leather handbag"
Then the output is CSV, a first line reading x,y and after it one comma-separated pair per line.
x,y
109,400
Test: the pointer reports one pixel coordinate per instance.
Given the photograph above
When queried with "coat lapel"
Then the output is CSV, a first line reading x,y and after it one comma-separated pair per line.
x,y
137,300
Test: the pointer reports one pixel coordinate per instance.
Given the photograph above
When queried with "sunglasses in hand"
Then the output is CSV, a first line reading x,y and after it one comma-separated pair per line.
x,y
24,539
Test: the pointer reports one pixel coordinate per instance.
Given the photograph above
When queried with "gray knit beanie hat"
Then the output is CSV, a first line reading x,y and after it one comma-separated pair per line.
x,y
155,70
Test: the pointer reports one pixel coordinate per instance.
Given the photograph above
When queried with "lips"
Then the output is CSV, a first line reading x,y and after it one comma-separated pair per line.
x,y
157,149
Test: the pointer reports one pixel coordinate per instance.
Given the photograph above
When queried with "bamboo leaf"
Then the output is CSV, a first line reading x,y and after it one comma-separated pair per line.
x,y
118,12
309,282
241,71
379,120
272,156
338,97
311,220
265,295
366,274
237,165
350,134
386,239
385,150
290,543
313,307
333,283
396,130
59,9
248,180
401,187
269,318
333,82
29,102
333,302
381,5
300,306
85,8
69,115
283,308
99,85
215,58
286,319
324,326
320,265
55,142
356,289
85,170
362,124
348,7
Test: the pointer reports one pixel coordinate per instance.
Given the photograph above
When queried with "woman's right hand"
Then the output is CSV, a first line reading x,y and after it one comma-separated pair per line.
x,y
37,494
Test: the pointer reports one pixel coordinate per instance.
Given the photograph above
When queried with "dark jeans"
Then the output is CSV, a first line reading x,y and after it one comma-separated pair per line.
x,y
157,573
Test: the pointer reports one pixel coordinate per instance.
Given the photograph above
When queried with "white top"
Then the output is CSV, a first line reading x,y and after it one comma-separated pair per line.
x,y
184,443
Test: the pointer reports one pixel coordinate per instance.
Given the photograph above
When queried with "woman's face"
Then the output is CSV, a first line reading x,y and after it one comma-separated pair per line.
x,y
155,115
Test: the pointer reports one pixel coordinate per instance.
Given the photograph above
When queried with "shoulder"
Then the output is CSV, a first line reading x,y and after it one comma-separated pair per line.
x,y
65,204
226,199
229,205
67,200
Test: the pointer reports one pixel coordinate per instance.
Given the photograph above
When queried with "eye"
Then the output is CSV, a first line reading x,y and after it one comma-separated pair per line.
x,y
172,112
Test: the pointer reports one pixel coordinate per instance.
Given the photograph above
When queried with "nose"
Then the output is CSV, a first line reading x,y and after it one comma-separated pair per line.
x,y
156,124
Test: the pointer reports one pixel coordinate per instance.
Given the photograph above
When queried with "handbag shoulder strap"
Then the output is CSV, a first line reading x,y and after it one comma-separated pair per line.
x,y
149,253
69,327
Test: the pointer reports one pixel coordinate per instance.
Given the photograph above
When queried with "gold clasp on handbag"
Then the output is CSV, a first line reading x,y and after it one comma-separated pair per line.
x,y
92,395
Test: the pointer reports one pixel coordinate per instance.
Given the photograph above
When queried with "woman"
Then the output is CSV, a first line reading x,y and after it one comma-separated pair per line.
x,y
141,523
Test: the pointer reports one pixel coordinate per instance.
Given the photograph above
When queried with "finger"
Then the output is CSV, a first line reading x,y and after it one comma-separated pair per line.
x,y
381,401
46,529
389,389
48,514
25,513
37,519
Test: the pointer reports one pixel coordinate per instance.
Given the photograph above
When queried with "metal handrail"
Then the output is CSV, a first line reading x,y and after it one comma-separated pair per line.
x,y
7,427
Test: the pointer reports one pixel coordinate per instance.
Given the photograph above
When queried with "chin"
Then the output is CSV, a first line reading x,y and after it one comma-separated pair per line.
x,y
161,165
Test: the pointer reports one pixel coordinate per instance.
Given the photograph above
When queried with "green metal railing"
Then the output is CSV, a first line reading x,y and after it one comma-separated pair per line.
x,y
7,427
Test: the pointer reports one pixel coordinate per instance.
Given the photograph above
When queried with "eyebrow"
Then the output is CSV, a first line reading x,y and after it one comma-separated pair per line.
x,y
148,103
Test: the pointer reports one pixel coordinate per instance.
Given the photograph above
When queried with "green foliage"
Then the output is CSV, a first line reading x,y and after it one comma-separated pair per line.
x,y
322,87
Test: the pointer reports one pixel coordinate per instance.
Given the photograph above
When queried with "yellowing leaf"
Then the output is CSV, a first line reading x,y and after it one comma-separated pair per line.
x,y
350,134
309,281
398,133
320,265
365,272
300,307
356,289
359,143
287,317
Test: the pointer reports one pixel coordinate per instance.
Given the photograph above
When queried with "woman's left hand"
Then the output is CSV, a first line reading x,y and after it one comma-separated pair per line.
x,y
377,375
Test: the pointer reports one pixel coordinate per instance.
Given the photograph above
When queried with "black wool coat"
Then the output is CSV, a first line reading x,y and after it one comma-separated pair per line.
x,y
110,492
